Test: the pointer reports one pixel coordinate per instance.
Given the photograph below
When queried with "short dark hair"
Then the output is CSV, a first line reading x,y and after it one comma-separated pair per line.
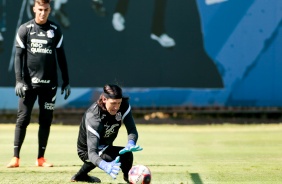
x,y
42,2
112,91
109,91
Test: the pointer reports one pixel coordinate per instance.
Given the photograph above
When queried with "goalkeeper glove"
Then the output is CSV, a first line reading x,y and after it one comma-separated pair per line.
x,y
130,147
66,88
20,89
111,168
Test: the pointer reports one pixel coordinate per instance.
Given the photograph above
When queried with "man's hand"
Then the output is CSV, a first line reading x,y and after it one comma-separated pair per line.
x,y
130,147
20,89
66,89
111,168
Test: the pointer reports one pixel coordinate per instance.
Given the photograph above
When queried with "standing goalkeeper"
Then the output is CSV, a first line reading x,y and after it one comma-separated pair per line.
x,y
98,130
39,48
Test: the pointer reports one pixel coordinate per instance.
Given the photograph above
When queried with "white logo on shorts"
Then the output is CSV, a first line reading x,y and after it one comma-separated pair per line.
x,y
49,106
35,80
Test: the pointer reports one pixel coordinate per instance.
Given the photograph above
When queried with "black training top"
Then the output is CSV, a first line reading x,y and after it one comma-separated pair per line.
x,y
99,129
37,47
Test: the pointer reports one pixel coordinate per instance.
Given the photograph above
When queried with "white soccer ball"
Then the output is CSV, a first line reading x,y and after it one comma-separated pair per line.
x,y
139,174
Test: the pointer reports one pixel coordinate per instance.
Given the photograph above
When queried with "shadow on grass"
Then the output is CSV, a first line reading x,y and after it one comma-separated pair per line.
x,y
196,178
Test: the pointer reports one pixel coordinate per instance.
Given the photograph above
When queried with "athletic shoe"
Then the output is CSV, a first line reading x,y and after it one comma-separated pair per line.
x,y
118,22
15,162
164,40
98,7
41,162
85,178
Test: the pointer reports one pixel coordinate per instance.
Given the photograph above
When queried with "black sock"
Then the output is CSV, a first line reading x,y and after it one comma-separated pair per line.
x,y
18,141
43,135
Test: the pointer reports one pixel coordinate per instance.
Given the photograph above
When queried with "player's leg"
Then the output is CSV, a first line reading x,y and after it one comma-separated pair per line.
x,y
126,159
23,119
158,32
46,102
82,174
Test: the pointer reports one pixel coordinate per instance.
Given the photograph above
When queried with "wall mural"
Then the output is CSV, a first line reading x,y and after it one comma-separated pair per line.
x,y
162,52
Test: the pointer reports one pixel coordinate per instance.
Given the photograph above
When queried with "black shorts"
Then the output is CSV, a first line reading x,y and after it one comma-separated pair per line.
x,y
46,102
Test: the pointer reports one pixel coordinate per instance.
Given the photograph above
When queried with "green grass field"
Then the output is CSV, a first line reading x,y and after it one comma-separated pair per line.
x,y
204,154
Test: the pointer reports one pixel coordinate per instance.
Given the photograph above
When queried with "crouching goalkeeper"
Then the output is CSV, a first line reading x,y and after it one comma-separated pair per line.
x,y
98,130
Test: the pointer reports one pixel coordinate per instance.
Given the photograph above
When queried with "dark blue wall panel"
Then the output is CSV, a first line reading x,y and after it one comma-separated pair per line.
x,y
227,53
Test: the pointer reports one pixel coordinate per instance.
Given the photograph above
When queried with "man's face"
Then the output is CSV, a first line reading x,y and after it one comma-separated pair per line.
x,y
112,105
42,12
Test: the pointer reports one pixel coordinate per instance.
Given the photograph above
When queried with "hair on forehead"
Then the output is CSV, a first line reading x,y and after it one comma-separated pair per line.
x,y
42,2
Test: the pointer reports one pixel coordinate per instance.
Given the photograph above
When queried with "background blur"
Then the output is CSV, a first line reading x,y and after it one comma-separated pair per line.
x,y
227,53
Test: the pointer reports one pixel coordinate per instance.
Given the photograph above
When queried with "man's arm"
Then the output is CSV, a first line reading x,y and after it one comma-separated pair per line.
x,y
20,54
21,86
131,131
129,123
130,127
19,60
62,62
92,123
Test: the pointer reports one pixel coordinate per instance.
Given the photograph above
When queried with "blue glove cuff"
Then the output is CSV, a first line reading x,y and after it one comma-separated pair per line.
x,y
102,165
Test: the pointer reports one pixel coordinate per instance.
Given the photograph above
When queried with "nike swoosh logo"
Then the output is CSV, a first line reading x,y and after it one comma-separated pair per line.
x,y
32,33
53,88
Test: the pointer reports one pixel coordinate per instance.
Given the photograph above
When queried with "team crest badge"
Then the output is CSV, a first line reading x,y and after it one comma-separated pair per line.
x,y
50,33
118,116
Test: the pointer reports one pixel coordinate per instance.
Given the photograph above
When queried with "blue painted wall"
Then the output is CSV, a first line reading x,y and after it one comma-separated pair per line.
x,y
243,41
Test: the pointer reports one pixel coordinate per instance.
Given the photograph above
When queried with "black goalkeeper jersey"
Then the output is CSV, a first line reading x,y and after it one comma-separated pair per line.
x,y
42,48
99,129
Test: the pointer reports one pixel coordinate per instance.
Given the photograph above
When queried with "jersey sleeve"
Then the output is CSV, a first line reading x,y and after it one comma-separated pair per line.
x,y
21,37
93,128
20,53
61,57
129,123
